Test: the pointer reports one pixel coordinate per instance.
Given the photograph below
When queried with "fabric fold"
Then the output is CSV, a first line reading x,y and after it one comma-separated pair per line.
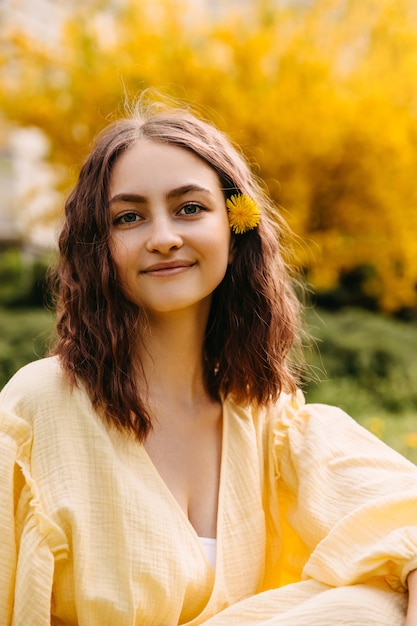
x,y
30,542
356,510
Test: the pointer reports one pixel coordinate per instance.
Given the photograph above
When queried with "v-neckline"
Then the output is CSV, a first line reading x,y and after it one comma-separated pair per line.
x,y
240,515
170,496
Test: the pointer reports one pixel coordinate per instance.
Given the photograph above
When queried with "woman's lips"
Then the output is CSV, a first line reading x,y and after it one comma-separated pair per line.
x,y
170,268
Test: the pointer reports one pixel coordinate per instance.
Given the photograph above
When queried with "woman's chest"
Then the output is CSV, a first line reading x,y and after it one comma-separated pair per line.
x,y
187,458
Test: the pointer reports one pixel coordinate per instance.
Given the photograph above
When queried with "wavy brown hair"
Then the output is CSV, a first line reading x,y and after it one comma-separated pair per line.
x,y
254,316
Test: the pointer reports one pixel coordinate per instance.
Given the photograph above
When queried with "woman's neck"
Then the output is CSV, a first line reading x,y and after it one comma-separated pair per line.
x,y
172,360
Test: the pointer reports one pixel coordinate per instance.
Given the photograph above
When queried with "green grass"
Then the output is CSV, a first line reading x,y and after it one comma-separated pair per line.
x,y
399,432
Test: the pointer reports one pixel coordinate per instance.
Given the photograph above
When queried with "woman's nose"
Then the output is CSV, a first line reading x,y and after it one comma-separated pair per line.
x,y
163,236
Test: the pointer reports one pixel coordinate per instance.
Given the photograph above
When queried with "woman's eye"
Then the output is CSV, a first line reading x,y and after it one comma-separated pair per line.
x,y
190,209
127,218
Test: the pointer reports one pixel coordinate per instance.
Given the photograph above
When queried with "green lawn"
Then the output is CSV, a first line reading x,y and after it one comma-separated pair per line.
x,y
399,432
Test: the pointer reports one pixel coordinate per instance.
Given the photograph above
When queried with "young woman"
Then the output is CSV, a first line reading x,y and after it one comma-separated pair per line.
x,y
162,468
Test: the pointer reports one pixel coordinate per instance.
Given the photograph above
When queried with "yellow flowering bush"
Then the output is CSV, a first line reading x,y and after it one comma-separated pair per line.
x,y
321,95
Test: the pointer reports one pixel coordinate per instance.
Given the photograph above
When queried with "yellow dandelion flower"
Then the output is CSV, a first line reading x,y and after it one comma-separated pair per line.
x,y
244,213
411,440
377,426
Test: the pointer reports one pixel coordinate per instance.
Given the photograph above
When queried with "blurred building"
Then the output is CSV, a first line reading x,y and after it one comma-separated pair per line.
x,y
26,192
25,179
9,233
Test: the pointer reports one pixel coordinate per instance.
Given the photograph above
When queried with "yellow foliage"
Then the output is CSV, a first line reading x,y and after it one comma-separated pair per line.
x,y
324,98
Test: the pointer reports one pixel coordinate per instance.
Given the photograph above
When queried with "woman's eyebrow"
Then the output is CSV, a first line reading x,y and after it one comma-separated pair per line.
x,y
174,193
181,191
127,197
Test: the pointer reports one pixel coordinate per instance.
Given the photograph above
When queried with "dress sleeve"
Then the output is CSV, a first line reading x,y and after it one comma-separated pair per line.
x,y
351,499
30,542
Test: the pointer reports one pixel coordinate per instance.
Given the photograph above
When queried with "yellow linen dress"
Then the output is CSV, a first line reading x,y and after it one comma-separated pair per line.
x,y
317,520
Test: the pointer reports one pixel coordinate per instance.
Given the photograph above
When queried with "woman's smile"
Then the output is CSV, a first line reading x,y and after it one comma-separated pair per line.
x,y
168,269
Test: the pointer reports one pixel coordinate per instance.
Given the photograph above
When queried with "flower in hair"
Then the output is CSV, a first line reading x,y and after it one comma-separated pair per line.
x,y
244,213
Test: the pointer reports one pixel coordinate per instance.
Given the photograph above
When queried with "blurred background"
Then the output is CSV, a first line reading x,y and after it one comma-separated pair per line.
x,y
322,97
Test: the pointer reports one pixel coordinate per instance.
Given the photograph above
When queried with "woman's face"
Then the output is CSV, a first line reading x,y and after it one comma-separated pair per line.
x,y
170,237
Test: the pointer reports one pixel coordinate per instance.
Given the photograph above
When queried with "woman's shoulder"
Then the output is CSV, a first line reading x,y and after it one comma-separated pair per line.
x,y
37,374
311,434
292,422
36,383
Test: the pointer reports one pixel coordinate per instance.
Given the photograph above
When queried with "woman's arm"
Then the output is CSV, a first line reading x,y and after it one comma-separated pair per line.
x,y
354,500
412,599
